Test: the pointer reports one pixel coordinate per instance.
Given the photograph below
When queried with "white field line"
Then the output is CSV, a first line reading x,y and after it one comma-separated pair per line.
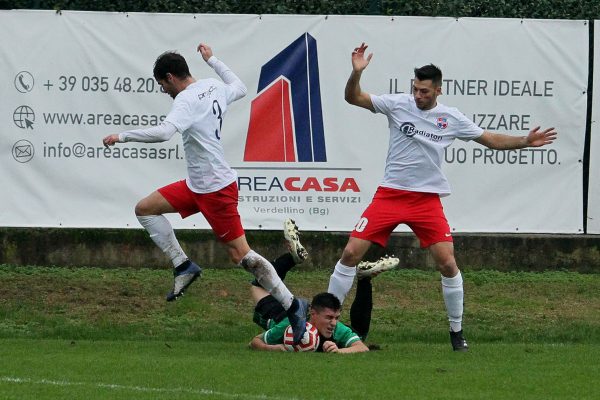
x,y
199,392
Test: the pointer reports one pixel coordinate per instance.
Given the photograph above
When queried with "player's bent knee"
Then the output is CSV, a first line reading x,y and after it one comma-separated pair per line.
x,y
448,269
150,206
236,255
350,256
141,209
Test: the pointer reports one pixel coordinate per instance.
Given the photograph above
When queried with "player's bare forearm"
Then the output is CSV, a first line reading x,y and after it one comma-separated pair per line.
x,y
535,138
500,141
258,344
356,347
354,95
352,91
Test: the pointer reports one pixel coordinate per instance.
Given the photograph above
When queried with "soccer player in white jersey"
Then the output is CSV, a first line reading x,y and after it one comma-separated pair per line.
x,y
420,130
197,113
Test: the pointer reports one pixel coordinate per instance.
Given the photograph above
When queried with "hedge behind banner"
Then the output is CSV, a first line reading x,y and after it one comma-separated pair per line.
x,y
544,9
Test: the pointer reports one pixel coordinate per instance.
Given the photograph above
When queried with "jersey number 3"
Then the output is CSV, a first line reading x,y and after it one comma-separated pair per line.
x,y
216,109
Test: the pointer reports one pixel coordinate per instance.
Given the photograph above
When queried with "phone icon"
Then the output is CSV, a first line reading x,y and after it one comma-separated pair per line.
x,y
24,81
25,85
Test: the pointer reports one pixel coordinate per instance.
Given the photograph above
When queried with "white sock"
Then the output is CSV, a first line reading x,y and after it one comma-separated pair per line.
x,y
267,277
452,289
161,232
341,280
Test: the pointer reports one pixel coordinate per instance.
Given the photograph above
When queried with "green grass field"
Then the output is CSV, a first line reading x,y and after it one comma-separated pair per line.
x,y
108,334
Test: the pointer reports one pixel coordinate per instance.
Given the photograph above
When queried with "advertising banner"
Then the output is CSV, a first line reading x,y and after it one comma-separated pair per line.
x,y
298,148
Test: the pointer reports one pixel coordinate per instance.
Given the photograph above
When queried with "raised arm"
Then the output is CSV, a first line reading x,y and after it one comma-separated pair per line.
x,y
226,74
353,93
500,141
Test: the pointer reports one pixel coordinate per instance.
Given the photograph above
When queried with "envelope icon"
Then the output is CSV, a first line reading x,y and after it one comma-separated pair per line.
x,y
23,150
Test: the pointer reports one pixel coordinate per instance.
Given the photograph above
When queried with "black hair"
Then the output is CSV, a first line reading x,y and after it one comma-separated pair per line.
x,y
429,72
325,300
172,63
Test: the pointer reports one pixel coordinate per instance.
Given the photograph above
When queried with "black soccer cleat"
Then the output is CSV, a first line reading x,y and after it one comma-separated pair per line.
x,y
184,275
459,343
297,316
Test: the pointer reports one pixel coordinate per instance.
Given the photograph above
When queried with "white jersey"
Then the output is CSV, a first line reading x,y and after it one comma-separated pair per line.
x,y
198,113
418,139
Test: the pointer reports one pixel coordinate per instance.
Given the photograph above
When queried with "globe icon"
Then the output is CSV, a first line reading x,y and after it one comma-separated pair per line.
x,y
24,117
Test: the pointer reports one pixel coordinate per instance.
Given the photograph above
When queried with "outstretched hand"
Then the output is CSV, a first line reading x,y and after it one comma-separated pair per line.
x,y
537,138
205,50
359,62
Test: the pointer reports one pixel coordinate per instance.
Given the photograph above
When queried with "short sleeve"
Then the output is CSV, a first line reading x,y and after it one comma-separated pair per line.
x,y
381,103
467,130
344,336
276,333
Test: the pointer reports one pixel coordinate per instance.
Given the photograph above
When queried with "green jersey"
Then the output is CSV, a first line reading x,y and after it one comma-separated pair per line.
x,y
342,336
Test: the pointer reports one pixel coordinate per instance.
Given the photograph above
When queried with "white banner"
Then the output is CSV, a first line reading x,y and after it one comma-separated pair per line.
x,y
299,150
593,211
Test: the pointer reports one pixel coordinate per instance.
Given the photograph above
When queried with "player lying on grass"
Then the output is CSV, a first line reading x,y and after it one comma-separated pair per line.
x,y
335,337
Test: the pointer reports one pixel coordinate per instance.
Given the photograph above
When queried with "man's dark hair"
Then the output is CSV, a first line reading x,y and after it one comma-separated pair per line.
x,y
325,300
429,73
173,63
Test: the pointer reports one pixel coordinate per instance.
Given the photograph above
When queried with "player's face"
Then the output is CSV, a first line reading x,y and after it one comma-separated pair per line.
x,y
168,85
325,321
425,94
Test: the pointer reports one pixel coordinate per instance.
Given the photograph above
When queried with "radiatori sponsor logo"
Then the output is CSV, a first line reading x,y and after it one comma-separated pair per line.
x,y
408,128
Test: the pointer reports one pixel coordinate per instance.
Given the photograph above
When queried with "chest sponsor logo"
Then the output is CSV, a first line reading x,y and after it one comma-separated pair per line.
x,y
409,129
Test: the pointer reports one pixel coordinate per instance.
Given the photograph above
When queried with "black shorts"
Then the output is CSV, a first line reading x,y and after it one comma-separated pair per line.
x,y
267,309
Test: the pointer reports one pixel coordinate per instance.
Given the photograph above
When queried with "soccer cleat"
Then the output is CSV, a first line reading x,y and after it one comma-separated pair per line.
x,y
184,275
369,269
458,341
291,234
297,316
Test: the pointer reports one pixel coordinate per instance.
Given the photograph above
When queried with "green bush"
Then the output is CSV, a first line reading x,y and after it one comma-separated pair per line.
x,y
546,9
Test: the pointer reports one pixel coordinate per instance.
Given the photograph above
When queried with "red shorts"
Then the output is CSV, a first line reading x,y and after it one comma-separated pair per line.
x,y
219,208
422,212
